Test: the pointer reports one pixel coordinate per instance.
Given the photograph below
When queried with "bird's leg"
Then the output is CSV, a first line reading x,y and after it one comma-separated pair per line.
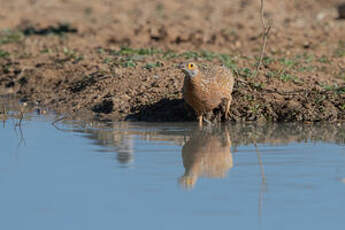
x,y
208,122
200,120
227,110
228,139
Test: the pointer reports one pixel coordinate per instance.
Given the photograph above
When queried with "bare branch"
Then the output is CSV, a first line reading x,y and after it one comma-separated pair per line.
x,y
59,119
266,30
20,119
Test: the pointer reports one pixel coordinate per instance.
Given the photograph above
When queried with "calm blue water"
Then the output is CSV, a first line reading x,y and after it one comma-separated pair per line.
x,y
170,176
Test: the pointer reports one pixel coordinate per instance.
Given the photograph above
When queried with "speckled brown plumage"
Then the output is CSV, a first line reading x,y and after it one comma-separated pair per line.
x,y
205,90
206,154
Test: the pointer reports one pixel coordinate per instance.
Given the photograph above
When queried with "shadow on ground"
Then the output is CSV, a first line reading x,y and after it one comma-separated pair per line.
x,y
173,110
163,110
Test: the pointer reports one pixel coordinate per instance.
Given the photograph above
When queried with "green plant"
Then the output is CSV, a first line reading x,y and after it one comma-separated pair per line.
x,y
246,72
46,50
152,65
267,60
4,54
306,68
129,63
340,74
289,63
190,55
169,55
288,77
340,50
72,54
324,59
126,51
9,36
227,61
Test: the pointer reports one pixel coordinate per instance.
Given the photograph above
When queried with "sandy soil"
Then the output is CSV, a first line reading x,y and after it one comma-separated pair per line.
x,y
117,60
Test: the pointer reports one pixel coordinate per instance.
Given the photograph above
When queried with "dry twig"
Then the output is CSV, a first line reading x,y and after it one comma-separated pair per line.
x,y
267,28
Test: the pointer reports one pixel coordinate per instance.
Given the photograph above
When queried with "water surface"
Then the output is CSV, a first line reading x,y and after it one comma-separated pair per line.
x,y
81,175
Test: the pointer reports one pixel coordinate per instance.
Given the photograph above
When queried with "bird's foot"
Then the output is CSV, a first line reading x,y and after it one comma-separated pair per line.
x,y
207,121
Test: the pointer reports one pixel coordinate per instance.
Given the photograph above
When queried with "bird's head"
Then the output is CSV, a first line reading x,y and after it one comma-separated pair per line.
x,y
190,69
188,182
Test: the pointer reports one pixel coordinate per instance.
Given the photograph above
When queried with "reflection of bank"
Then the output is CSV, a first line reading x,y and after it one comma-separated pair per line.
x,y
119,137
113,139
206,154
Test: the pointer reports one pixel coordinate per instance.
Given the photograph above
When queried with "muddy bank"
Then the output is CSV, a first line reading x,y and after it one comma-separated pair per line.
x,y
118,61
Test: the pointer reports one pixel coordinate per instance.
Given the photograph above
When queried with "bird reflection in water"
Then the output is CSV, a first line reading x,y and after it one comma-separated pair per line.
x,y
206,154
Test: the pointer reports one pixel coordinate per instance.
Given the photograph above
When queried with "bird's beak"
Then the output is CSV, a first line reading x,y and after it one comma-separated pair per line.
x,y
182,66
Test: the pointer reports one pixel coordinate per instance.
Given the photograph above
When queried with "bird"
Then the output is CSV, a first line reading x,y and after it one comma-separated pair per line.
x,y
205,88
206,154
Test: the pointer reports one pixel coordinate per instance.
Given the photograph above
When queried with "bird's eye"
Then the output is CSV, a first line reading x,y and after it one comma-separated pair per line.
x,y
191,66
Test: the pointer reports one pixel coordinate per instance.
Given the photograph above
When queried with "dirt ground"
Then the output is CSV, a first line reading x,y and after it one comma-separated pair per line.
x,y
117,60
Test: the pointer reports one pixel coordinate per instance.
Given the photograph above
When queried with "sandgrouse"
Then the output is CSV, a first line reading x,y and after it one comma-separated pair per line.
x,y
204,88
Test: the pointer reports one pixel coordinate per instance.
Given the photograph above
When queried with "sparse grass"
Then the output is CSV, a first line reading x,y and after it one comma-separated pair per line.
x,y
245,72
9,36
128,57
126,51
46,50
107,60
208,55
335,88
72,54
289,63
255,108
249,97
299,63
306,68
290,66
340,50
124,62
283,76
152,65
323,59
329,87
320,99
267,60
305,58
190,55
128,63
258,85
340,74
227,61
4,54
169,55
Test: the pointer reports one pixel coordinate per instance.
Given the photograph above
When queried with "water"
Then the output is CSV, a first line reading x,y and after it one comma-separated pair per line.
x,y
82,175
